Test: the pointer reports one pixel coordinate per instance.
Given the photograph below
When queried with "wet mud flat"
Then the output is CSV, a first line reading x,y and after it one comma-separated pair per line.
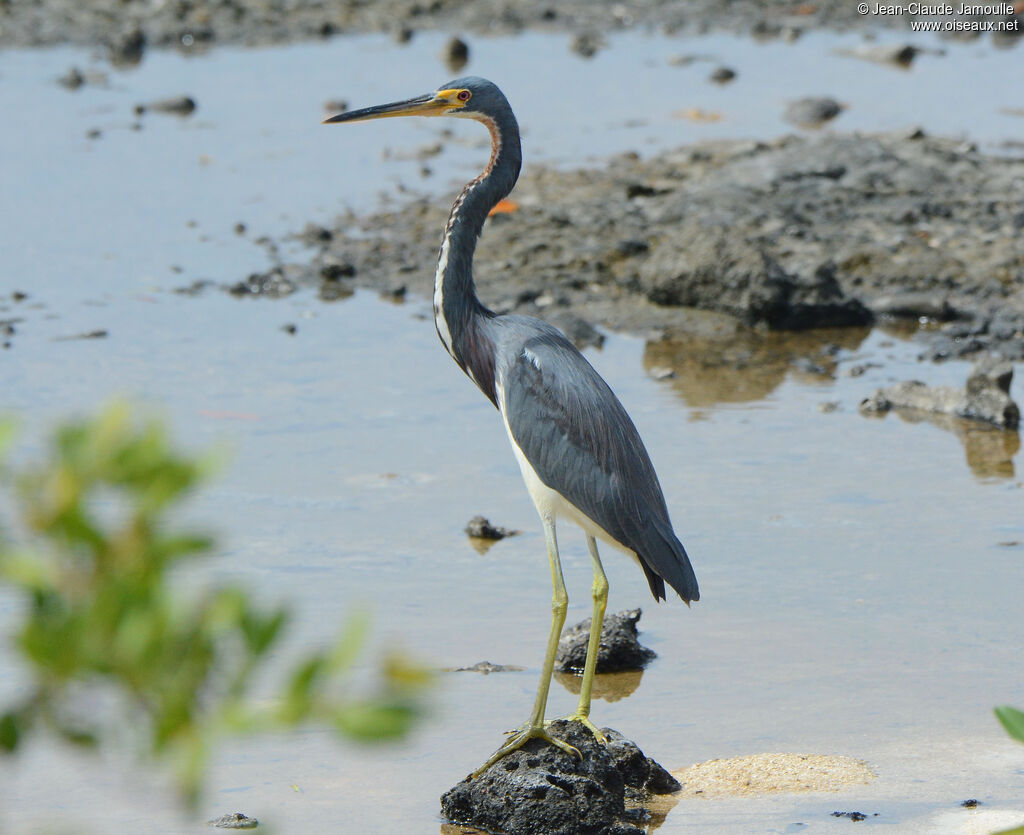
x,y
127,27
792,234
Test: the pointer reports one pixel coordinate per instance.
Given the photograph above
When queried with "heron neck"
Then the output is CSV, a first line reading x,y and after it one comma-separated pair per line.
x,y
458,312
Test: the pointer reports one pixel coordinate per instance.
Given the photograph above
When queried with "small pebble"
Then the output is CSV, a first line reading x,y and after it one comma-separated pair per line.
x,y
72,79
481,528
456,54
723,75
175,106
812,111
234,820
586,44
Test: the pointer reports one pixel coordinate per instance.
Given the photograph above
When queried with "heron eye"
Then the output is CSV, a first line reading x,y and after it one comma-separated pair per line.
x,y
464,95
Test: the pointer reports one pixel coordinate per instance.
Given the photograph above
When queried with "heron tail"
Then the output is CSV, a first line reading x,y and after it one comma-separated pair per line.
x,y
664,560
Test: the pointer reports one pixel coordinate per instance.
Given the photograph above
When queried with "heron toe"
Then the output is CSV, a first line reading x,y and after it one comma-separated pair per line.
x,y
519,739
584,720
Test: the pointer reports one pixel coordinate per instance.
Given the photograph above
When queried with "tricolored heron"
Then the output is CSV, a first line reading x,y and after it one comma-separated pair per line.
x,y
579,453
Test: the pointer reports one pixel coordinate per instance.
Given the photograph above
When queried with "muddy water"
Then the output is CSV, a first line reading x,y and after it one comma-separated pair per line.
x,y
860,577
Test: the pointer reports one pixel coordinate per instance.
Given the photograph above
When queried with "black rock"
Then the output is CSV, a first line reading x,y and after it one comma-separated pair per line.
x,y
175,105
854,816
619,648
541,790
481,528
723,75
456,54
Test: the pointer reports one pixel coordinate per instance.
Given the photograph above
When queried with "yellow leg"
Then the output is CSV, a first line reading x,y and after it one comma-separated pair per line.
x,y
600,593
559,603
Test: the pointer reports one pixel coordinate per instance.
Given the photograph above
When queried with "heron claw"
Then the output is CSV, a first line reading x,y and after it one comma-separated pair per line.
x,y
584,720
518,738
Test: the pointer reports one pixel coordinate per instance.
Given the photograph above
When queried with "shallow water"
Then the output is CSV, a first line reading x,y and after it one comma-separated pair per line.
x,y
859,596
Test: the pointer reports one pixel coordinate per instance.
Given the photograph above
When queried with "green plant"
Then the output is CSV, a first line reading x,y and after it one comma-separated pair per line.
x,y
105,623
1013,720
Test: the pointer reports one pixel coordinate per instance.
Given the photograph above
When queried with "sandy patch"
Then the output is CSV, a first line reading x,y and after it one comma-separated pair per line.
x,y
772,774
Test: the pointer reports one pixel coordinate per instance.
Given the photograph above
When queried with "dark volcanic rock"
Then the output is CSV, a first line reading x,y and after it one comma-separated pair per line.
x,y
619,648
540,790
481,528
712,269
986,397
794,233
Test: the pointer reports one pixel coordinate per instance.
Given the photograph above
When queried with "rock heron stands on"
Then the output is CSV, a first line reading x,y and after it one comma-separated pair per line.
x,y
580,455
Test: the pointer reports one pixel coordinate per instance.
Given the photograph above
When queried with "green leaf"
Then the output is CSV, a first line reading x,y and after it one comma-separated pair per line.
x,y
10,731
1013,721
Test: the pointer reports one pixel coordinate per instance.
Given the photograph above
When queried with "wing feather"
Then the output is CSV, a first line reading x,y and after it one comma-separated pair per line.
x,y
581,442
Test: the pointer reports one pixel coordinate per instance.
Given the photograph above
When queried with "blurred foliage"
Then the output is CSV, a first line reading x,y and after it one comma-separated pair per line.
x,y
1013,720
112,641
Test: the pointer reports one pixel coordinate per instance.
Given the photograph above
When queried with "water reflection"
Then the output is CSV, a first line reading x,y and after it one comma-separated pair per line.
x,y
750,366
989,450
658,805
608,686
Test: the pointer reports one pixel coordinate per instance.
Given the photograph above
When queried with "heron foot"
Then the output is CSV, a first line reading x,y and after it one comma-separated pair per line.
x,y
584,720
518,738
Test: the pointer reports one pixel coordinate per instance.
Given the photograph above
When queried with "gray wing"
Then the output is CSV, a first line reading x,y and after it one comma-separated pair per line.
x,y
577,436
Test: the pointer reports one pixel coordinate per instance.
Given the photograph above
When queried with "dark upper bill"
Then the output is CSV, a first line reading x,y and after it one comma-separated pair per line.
x,y
431,104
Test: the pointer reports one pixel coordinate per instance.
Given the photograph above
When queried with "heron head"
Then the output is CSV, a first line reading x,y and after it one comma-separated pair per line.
x,y
470,97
